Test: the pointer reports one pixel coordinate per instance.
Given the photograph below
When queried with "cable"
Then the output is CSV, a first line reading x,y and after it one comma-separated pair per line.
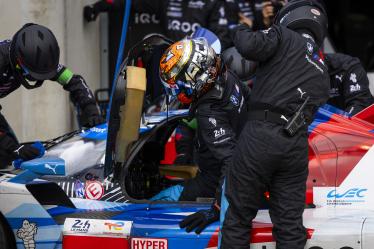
x,y
121,47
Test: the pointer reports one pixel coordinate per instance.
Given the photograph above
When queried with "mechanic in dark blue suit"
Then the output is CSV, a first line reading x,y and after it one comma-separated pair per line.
x,y
33,56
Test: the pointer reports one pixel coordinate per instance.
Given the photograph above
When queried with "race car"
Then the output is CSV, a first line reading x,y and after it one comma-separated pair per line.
x,y
91,188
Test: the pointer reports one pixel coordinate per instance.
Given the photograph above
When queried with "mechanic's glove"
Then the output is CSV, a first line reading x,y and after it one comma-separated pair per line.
x,y
28,151
91,116
200,220
90,12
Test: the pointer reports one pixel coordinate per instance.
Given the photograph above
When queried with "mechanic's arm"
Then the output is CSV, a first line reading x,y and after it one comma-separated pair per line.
x,y
258,45
220,140
356,92
219,137
218,22
9,147
81,96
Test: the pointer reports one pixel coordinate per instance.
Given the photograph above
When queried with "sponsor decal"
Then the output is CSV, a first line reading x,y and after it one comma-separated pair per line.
x,y
51,167
79,189
314,64
185,27
353,77
98,130
96,227
219,133
168,56
115,226
348,197
27,233
354,88
301,92
213,121
234,100
80,226
94,190
145,18
315,12
334,92
196,4
351,193
145,243
339,77
310,48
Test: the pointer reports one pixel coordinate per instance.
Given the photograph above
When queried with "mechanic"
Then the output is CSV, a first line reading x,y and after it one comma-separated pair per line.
x,y
257,14
190,70
272,152
349,83
178,18
33,56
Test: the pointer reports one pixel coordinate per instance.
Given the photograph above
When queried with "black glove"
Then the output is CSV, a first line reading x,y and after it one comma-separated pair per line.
x,y
91,116
26,152
200,220
90,12
15,150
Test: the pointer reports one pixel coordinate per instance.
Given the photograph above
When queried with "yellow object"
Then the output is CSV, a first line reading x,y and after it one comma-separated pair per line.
x,y
131,111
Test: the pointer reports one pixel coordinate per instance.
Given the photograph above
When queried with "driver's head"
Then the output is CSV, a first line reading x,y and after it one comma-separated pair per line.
x,y
188,69
34,53
305,15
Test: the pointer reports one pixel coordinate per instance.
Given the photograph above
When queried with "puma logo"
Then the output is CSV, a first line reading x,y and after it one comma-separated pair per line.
x,y
339,77
301,92
47,166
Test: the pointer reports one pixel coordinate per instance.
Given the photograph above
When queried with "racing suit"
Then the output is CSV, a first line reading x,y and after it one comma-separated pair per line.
x,y
80,94
266,158
349,83
220,116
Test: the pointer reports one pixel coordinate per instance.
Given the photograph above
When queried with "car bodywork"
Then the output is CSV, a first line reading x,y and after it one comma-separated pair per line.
x,y
75,196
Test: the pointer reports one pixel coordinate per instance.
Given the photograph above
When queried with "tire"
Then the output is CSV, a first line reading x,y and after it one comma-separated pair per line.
x,y
7,240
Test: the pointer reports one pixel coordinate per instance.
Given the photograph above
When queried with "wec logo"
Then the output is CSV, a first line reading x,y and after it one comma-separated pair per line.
x,y
351,193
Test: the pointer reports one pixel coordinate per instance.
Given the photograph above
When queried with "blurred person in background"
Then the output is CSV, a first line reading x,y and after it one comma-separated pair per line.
x,y
178,18
257,14
28,59
349,82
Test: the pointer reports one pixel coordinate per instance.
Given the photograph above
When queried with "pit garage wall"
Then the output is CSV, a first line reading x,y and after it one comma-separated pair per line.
x,y
46,112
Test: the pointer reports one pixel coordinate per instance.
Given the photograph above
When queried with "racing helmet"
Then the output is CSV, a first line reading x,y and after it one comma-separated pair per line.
x,y
188,69
305,14
244,69
34,54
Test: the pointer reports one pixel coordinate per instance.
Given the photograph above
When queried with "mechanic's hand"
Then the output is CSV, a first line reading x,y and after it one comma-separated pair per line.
x,y
267,13
94,120
89,13
245,20
26,152
91,116
200,220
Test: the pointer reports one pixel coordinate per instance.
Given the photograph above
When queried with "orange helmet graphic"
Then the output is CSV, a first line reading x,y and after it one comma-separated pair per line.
x,y
186,69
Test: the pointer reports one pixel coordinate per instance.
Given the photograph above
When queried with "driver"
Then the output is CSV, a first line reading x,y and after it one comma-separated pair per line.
x,y
191,71
33,55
